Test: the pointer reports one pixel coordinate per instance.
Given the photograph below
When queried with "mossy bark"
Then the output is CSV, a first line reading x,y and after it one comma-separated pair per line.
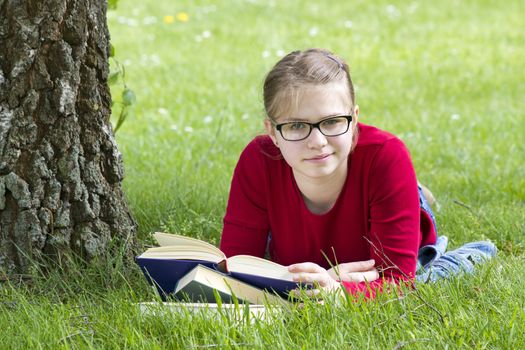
x,y
60,169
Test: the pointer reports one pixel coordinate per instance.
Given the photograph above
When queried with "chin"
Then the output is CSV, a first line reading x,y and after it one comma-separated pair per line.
x,y
318,173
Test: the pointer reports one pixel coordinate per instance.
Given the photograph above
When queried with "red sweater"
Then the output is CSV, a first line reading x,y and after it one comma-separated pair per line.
x,y
377,214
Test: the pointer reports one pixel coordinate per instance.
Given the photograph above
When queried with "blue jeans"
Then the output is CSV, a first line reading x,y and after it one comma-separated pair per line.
x,y
435,263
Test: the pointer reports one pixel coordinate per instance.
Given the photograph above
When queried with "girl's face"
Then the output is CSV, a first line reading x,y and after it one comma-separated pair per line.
x,y
318,156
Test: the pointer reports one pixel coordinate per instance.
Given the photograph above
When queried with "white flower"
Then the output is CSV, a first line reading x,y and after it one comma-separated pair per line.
x,y
208,9
188,129
207,119
155,60
412,8
392,11
349,24
245,116
279,53
149,20
174,127
147,60
204,35
313,31
454,116
132,22
265,54
163,111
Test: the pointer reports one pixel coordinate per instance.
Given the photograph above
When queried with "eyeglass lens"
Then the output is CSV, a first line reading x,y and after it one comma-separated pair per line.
x,y
300,130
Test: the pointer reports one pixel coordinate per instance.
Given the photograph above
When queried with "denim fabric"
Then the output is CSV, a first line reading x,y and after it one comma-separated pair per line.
x,y
431,252
427,254
459,260
426,207
435,263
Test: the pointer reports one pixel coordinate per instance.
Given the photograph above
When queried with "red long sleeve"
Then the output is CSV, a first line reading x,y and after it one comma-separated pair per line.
x,y
376,215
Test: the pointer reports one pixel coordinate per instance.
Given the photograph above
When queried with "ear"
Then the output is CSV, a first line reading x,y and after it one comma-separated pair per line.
x,y
271,131
356,113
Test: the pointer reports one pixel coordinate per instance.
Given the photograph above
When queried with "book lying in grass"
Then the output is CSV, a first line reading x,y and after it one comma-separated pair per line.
x,y
212,310
206,285
177,255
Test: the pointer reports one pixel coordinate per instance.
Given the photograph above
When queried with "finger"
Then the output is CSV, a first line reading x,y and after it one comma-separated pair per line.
x,y
295,292
371,275
357,266
305,267
368,276
333,273
312,292
311,277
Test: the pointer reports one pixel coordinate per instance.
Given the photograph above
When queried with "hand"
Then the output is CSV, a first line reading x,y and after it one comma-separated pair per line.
x,y
312,273
358,271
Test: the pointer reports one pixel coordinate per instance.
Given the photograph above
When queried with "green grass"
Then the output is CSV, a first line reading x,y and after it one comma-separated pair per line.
x,y
447,77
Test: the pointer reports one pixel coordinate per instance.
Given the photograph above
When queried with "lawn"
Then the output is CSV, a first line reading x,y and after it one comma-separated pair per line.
x,y
446,77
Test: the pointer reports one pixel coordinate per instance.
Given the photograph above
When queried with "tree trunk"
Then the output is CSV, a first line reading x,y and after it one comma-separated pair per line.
x,y
60,169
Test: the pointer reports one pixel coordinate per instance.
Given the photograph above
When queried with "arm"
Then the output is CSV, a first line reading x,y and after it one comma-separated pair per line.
x,y
246,224
394,218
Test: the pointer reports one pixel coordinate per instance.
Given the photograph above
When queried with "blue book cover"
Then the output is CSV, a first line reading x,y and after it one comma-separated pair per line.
x,y
164,274
280,287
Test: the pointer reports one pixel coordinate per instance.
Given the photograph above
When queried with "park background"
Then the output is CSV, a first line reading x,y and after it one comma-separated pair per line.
x,y
446,77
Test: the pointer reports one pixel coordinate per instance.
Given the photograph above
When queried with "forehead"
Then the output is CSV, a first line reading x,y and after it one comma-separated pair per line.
x,y
312,102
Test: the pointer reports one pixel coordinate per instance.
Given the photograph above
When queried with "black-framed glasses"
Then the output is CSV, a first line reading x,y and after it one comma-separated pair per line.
x,y
297,131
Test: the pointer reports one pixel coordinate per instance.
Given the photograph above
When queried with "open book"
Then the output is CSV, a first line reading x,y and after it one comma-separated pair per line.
x,y
177,255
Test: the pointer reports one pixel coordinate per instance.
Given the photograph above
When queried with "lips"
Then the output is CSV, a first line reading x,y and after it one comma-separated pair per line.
x,y
320,156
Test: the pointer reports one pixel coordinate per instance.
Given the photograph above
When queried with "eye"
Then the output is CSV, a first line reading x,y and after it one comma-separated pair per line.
x,y
330,122
333,121
296,126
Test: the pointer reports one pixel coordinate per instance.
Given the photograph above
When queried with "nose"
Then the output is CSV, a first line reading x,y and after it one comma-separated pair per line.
x,y
316,139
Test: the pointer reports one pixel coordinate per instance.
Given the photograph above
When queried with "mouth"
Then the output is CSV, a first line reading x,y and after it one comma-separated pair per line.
x,y
319,157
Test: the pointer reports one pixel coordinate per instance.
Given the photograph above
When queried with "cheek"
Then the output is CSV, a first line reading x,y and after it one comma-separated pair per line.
x,y
344,144
291,153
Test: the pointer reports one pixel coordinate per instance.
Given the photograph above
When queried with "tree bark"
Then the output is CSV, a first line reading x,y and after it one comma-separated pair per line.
x,y
60,169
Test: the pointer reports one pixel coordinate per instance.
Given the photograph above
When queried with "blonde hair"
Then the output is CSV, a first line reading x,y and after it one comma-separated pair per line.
x,y
295,71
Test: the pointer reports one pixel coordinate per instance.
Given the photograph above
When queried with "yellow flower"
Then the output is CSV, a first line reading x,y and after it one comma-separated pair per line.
x,y
169,19
183,16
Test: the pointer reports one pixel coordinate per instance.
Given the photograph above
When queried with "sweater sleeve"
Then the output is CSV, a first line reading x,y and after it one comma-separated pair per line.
x,y
246,225
394,218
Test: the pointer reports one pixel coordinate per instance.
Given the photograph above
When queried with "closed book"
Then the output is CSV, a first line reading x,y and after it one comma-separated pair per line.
x,y
203,284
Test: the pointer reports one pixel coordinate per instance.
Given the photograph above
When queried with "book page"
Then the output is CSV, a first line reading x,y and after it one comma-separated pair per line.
x,y
257,266
184,247
181,253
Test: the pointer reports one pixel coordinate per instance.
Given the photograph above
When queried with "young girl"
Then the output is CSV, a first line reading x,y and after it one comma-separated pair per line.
x,y
335,200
